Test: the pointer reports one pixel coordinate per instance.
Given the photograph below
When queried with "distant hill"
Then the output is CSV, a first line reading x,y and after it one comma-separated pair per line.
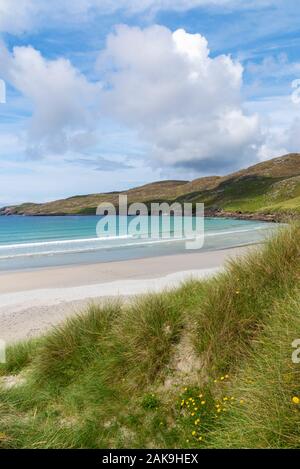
x,y
269,189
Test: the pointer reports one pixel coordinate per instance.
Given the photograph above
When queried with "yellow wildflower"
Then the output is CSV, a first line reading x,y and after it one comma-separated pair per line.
x,y
295,400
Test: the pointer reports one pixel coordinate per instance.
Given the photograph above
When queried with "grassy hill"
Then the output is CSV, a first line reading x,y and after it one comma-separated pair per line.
x,y
207,365
268,188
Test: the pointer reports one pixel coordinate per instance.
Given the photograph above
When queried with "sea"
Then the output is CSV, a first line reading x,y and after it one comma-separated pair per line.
x,y
28,242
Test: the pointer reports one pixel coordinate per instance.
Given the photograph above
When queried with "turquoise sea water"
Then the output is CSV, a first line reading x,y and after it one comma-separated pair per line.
x,y
27,242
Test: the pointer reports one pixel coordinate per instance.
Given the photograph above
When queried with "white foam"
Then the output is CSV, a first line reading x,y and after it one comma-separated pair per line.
x,y
86,245
61,242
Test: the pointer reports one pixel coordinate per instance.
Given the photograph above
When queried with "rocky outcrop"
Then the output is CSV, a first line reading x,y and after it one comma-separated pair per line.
x,y
6,211
270,217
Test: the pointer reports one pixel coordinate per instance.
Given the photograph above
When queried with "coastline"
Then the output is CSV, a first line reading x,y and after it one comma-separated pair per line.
x,y
60,292
265,217
275,217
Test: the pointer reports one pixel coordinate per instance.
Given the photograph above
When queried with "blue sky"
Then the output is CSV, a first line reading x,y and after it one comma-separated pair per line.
x,y
106,95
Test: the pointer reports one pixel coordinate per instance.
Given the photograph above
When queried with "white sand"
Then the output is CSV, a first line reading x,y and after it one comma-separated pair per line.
x,y
33,301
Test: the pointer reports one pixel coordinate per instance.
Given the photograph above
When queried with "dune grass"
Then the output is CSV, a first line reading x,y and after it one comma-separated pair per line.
x,y
267,382
205,365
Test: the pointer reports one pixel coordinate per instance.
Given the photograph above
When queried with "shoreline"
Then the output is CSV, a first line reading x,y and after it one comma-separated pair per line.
x,y
251,216
31,302
209,213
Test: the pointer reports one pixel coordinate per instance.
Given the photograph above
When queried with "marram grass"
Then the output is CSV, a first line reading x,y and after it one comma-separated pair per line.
x,y
205,365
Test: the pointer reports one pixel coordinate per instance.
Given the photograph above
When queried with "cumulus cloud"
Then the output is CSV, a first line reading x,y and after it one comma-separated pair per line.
x,y
186,104
276,102
281,140
280,124
182,103
61,99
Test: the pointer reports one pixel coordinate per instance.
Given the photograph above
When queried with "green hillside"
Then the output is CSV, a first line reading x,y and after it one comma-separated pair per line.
x,y
207,365
268,188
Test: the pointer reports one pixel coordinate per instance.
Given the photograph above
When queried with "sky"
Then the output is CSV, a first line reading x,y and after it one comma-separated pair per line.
x,y
104,95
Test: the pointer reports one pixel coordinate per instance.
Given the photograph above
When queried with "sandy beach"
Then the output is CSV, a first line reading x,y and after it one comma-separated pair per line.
x,y
33,301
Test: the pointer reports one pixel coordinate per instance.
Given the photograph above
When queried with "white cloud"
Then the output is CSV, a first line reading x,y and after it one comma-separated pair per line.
x,y
11,144
15,15
278,65
61,97
186,104
280,118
